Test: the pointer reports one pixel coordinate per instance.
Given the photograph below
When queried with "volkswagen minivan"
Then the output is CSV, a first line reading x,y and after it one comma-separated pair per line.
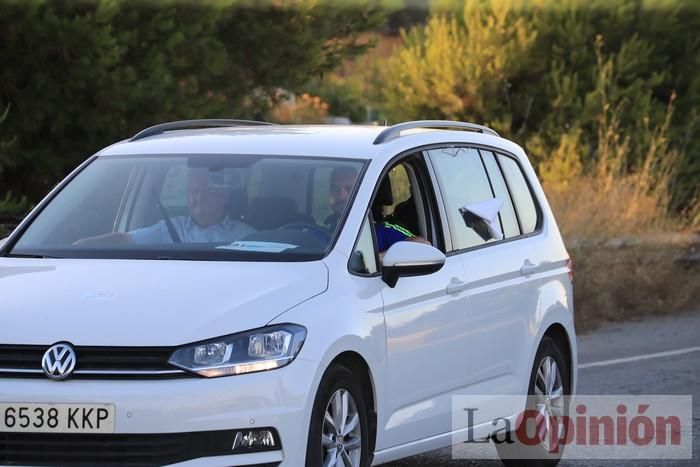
x,y
223,292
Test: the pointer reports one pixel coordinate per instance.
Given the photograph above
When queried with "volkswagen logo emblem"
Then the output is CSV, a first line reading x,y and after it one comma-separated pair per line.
x,y
59,361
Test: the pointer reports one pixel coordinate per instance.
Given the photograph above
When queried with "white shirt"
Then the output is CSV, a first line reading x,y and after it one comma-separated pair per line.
x,y
228,230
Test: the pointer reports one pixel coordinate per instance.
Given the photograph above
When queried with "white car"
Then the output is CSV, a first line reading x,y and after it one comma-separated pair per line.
x,y
222,292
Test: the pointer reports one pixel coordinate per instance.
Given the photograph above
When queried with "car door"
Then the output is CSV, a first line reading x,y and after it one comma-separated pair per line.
x,y
502,287
426,333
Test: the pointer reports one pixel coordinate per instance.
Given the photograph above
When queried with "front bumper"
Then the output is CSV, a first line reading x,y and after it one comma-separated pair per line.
x,y
281,399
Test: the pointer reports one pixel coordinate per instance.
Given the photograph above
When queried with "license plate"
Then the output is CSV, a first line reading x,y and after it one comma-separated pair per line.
x,y
57,418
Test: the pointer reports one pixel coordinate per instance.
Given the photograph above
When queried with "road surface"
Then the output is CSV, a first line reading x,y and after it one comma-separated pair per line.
x,y
654,356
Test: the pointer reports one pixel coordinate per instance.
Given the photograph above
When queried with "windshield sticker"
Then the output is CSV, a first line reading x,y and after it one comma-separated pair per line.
x,y
264,247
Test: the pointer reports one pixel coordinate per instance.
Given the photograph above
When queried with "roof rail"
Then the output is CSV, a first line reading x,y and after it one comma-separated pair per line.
x,y
185,124
394,131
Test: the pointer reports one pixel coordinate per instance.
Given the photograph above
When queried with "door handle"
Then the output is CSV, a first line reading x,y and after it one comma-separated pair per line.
x,y
456,286
528,268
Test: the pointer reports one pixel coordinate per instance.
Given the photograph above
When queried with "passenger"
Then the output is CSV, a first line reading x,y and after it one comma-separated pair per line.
x,y
341,186
342,182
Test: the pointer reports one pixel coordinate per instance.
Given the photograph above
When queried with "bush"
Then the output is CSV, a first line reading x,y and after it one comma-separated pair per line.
x,y
611,195
81,75
13,208
10,209
301,109
538,70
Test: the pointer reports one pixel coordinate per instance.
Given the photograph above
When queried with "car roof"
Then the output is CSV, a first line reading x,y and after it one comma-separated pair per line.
x,y
347,141
351,141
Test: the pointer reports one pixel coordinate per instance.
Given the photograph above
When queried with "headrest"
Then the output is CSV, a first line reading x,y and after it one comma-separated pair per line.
x,y
237,206
271,212
384,195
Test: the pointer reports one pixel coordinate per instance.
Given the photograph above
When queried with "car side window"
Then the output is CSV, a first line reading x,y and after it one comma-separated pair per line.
x,y
463,181
509,220
527,212
400,188
364,259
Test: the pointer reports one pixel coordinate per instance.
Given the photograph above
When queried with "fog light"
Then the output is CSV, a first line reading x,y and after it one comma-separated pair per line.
x,y
254,440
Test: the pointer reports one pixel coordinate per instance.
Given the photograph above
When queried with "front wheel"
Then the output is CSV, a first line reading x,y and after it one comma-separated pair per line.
x,y
547,401
338,433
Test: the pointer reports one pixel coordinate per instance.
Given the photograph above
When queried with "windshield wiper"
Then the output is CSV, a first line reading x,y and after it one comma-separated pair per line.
x,y
24,255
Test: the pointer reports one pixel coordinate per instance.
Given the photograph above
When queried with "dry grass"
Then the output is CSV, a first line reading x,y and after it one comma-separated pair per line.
x,y
613,195
610,203
623,283
622,196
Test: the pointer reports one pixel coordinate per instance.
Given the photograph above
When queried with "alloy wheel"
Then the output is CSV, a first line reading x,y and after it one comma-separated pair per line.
x,y
341,437
549,404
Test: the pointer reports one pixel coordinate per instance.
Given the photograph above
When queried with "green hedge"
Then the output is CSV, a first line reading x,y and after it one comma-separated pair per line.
x,y
82,74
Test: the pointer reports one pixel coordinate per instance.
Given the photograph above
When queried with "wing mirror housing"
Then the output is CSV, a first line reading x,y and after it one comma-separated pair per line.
x,y
404,259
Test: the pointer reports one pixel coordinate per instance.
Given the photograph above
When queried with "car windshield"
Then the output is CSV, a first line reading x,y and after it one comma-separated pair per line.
x,y
196,207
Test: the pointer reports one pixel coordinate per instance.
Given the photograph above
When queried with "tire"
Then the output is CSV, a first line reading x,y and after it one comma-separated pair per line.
x,y
548,451
338,388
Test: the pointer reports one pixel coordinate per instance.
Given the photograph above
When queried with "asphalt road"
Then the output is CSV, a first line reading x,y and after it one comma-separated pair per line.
x,y
668,373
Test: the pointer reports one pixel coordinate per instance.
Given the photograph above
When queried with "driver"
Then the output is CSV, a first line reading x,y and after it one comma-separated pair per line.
x,y
207,197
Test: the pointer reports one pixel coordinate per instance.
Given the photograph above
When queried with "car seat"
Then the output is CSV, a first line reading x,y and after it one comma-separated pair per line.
x,y
383,198
237,205
405,215
271,212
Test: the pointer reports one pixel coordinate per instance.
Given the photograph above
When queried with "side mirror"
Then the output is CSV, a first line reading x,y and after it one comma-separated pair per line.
x,y
482,218
410,259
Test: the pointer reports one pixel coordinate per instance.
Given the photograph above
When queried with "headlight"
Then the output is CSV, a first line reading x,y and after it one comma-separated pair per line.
x,y
246,352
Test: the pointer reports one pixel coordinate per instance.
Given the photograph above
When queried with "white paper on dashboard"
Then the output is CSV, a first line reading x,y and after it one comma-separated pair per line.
x,y
263,247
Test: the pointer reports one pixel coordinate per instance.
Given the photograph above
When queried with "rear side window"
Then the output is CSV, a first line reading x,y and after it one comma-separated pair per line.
x,y
463,181
520,191
509,221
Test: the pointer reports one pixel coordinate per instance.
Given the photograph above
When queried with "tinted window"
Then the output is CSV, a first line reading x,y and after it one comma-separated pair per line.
x,y
321,206
73,215
521,193
509,222
191,207
463,181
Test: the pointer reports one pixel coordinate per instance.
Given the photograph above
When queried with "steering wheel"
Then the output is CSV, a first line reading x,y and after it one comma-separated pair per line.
x,y
324,234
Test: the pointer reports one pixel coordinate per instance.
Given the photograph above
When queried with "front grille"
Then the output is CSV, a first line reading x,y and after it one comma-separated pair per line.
x,y
93,362
113,450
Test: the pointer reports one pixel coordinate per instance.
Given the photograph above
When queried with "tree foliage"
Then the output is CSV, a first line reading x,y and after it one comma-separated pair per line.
x,y
544,72
8,204
81,75
5,141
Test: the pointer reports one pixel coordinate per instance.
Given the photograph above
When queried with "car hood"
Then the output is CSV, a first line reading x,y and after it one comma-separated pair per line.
x,y
145,303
